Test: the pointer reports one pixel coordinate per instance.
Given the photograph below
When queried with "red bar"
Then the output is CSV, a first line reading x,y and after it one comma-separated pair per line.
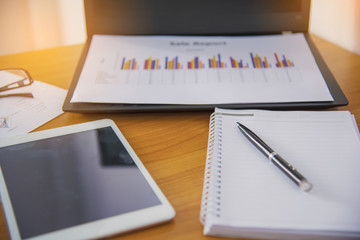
x,y
277,60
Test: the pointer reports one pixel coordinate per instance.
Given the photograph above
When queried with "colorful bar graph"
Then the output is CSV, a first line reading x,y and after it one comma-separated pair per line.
x,y
4,122
172,64
258,62
216,63
129,65
195,64
238,64
151,64
284,62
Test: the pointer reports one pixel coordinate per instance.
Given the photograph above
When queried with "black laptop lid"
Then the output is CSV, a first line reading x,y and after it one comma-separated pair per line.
x,y
195,17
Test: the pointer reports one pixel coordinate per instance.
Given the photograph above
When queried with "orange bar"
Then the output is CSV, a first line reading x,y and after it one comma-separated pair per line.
x,y
289,63
149,63
257,61
266,62
277,60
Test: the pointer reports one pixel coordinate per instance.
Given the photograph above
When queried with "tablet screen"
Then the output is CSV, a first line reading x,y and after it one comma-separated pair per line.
x,y
63,181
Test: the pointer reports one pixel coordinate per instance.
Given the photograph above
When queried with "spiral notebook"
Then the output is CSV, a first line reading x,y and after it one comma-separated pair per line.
x,y
245,195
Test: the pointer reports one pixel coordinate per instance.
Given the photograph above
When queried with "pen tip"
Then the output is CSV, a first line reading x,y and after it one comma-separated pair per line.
x,y
240,126
305,185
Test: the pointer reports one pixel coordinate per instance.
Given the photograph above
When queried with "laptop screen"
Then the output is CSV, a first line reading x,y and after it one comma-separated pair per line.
x,y
196,17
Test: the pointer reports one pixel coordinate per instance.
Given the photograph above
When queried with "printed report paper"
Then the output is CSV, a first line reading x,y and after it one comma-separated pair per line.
x,y
20,115
200,70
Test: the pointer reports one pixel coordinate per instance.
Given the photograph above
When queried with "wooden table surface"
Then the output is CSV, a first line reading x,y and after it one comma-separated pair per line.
x,y
171,145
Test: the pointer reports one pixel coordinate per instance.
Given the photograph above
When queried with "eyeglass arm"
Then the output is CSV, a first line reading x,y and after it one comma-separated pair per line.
x,y
28,95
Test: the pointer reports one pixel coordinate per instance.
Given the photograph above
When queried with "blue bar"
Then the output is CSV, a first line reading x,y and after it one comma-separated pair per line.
x,y
122,65
285,62
252,59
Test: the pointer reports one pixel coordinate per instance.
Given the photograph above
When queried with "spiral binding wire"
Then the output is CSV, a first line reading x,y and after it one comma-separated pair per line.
x,y
211,196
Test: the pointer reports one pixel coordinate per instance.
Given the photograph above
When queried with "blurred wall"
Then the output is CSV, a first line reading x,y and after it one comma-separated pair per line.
x,y
337,21
27,25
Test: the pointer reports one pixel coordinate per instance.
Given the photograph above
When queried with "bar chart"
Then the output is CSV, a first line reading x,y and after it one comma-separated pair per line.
x,y
195,63
284,62
216,62
259,62
129,64
212,68
151,64
173,63
238,64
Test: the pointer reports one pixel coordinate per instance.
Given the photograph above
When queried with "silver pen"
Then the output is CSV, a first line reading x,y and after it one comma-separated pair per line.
x,y
274,157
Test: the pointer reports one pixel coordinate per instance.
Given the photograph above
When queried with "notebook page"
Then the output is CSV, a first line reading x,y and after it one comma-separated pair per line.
x,y
323,146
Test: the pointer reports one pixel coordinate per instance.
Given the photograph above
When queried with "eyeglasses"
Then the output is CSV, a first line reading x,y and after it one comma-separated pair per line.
x,y
13,78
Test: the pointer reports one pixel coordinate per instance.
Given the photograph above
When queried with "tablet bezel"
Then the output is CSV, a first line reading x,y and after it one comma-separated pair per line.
x,y
104,227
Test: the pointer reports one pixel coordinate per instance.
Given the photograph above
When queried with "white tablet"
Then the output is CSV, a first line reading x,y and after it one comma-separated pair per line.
x,y
77,182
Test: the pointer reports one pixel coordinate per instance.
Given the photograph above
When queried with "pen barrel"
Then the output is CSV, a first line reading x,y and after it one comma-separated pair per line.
x,y
283,165
288,169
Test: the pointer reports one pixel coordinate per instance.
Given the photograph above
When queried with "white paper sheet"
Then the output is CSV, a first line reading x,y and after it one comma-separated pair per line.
x,y
20,115
200,70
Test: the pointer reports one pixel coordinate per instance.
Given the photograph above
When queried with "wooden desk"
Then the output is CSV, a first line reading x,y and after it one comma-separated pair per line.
x,y
171,145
